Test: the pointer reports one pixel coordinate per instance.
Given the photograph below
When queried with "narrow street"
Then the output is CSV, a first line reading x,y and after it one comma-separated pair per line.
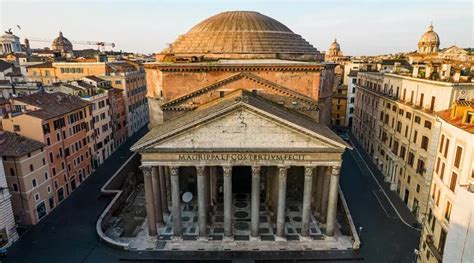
x,y
68,233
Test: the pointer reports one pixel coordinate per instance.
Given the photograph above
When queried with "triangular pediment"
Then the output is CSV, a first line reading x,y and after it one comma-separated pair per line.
x,y
240,81
242,129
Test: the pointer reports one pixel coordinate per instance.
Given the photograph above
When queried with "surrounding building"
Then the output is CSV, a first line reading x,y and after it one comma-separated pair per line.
x,y
9,90
123,75
130,78
339,106
395,122
9,43
119,116
351,93
8,233
63,123
448,233
395,119
28,177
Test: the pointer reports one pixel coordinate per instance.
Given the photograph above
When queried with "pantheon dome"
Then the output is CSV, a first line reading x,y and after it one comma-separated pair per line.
x,y
242,35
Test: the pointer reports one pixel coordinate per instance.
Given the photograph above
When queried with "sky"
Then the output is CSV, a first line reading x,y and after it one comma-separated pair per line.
x,y
363,27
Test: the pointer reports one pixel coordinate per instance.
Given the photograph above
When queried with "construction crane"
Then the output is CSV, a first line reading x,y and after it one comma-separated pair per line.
x,y
100,44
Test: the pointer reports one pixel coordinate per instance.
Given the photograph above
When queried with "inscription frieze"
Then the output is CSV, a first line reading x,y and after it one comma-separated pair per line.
x,y
240,157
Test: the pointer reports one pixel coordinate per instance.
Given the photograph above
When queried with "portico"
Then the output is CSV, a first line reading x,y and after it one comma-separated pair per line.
x,y
243,148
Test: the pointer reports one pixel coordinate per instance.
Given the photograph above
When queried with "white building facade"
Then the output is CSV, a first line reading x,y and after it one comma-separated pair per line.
x,y
8,233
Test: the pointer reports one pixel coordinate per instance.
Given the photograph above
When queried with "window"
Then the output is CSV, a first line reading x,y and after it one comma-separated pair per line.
x,y
408,115
16,128
418,188
417,119
15,187
33,183
428,125
447,211
457,158
415,135
411,159
437,165
46,176
402,152
432,105
446,148
452,183
420,166
438,194
441,175
441,144
31,168
12,172
424,142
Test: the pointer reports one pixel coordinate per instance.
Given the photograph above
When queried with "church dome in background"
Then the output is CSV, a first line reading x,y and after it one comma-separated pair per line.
x,y
61,44
429,42
241,34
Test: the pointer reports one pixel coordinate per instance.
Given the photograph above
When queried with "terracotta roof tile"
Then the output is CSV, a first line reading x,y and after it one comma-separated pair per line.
x,y
52,104
14,145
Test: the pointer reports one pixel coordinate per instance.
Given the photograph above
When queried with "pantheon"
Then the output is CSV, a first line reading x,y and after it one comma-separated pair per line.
x,y
239,153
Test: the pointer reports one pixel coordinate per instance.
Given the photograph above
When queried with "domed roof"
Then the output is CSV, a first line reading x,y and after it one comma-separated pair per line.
x,y
241,34
61,43
335,45
429,37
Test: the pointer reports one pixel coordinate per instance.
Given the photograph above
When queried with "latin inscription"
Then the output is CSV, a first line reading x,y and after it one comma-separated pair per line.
x,y
241,157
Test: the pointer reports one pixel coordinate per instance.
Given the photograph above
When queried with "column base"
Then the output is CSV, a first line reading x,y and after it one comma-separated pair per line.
x,y
393,186
203,239
174,238
231,238
280,239
257,238
308,238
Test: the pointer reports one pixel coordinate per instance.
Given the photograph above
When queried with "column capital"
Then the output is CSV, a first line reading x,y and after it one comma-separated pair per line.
x,y
255,170
336,169
174,170
227,170
200,170
146,170
282,170
308,170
